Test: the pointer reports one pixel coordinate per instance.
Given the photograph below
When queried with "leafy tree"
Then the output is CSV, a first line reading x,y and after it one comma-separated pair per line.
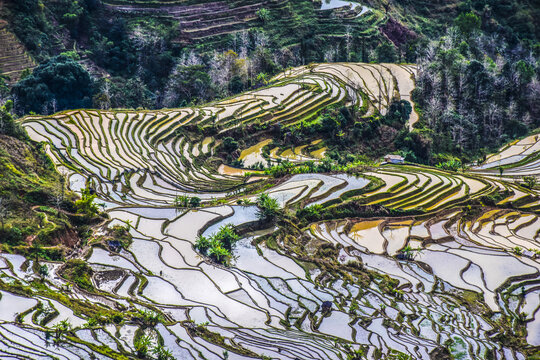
x,y
86,204
58,84
386,52
398,113
142,344
263,14
188,83
268,207
468,23
112,48
230,145
194,201
8,125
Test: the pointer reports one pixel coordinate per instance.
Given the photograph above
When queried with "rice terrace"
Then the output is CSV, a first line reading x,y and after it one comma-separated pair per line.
x,y
313,180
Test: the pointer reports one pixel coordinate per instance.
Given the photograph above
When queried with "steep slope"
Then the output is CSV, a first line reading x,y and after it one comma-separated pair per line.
x,y
363,261
13,57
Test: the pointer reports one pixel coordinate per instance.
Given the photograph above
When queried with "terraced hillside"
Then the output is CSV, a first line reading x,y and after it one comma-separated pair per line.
x,y
212,20
132,150
514,161
13,57
387,261
199,20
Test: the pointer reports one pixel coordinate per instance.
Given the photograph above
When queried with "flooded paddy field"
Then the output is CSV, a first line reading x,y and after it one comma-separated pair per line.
x,y
390,261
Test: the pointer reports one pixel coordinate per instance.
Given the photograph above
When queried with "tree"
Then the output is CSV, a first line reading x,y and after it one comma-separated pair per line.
x,y
4,212
194,202
386,52
263,14
86,204
188,83
268,207
530,181
398,113
230,145
8,125
468,23
60,81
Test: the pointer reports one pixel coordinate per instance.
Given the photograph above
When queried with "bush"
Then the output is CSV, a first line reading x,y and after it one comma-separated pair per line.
x,y
56,85
8,126
452,165
268,208
79,272
86,205
183,201
229,145
218,246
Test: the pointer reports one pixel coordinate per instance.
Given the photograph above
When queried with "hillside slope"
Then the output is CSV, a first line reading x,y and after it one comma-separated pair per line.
x,y
14,58
354,260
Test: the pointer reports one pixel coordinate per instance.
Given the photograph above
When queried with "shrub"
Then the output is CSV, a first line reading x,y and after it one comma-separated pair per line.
x,y
183,201
58,84
202,244
227,236
268,207
195,202
218,253
218,246
530,182
79,272
229,145
86,205
263,14
312,212
141,345
452,165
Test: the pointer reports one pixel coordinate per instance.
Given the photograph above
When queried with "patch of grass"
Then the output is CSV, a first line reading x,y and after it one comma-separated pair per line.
x,y
79,272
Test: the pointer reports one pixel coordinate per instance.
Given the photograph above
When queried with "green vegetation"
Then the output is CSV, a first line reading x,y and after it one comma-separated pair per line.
x,y
476,88
58,84
79,272
493,101
268,208
218,246
183,201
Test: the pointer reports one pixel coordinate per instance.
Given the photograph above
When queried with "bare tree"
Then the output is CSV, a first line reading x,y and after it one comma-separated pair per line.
x,y
348,41
4,212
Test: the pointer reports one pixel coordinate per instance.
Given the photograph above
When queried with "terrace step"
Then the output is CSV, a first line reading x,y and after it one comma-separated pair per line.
x,y
13,57
199,21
